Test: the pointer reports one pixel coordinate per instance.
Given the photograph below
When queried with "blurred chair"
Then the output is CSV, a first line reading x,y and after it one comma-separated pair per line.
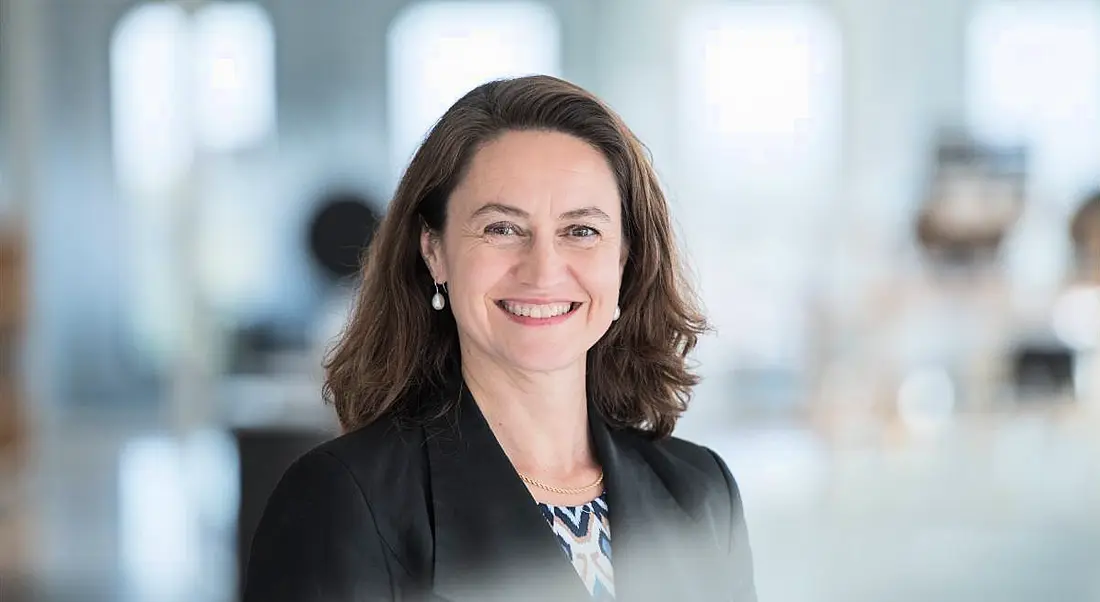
x,y
1041,374
337,233
265,454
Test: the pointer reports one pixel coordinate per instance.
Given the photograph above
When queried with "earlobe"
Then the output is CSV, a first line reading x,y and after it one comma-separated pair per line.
x,y
429,251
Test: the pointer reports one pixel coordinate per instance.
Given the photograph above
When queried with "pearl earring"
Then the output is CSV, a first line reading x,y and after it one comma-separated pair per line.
x,y
438,301
617,313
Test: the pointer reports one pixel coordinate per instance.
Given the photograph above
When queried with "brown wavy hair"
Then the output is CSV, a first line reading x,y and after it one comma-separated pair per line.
x,y
395,344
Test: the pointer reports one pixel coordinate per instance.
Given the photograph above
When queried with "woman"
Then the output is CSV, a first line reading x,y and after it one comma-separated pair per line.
x,y
508,383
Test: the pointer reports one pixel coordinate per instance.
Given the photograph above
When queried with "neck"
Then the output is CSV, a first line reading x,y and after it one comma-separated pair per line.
x,y
540,419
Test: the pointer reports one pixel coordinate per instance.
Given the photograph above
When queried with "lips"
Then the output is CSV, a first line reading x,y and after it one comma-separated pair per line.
x,y
538,311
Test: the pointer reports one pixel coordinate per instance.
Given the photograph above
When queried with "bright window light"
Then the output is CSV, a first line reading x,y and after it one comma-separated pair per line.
x,y
1034,77
759,118
149,121
760,94
156,522
235,75
179,81
438,51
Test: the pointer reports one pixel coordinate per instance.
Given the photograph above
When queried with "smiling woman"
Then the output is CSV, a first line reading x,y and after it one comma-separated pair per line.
x,y
516,357
535,240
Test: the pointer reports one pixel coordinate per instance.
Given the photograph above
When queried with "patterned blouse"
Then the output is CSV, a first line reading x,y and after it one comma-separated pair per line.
x,y
584,533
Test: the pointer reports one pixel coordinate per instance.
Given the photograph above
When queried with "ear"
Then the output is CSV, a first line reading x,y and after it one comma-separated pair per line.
x,y
432,252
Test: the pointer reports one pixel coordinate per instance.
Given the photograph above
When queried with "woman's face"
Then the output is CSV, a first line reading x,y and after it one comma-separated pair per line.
x,y
532,251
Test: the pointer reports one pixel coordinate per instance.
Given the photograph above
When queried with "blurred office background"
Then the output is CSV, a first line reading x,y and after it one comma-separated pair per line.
x,y
890,207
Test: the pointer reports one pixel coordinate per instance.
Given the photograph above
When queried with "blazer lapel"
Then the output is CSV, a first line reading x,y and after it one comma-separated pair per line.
x,y
491,540
661,543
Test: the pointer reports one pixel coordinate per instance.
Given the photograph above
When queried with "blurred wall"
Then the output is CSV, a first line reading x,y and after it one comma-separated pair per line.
x,y
332,127
902,79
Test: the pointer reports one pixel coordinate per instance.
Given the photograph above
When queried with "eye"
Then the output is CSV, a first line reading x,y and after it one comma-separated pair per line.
x,y
583,232
501,229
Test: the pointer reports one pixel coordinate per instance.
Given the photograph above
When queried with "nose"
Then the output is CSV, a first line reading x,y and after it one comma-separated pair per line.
x,y
541,265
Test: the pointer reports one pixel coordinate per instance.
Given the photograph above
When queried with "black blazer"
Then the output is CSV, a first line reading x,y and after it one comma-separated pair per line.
x,y
436,512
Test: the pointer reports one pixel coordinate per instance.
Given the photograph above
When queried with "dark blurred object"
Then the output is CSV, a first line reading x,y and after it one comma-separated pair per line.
x,y
1042,373
256,346
1085,230
264,454
13,315
339,232
975,197
14,553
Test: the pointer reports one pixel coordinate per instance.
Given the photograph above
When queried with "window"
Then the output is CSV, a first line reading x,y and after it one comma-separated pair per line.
x,y
177,496
181,83
1034,78
438,51
760,117
761,98
152,138
234,50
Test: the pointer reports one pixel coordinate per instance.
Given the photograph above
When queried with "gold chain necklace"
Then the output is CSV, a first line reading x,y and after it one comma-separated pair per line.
x,y
561,490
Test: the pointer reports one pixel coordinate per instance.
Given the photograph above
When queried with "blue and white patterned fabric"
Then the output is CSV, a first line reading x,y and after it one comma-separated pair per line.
x,y
584,533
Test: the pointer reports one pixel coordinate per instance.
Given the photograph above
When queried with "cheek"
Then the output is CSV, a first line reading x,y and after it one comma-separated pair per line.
x,y
600,273
477,271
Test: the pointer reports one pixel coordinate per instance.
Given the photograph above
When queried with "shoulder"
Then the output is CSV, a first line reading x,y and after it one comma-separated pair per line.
x,y
695,474
376,456
699,456
375,478
378,467
700,462
328,533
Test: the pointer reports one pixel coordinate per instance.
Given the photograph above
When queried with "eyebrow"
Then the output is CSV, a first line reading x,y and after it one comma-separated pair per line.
x,y
583,212
589,212
499,208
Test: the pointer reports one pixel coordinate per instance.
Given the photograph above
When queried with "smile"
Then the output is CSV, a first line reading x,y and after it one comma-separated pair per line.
x,y
541,313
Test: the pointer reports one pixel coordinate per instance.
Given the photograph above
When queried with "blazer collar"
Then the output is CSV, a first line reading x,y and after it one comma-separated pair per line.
x,y
491,540
493,543
662,539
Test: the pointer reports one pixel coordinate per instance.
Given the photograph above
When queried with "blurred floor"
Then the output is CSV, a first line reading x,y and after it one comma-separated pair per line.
x,y
1004,508
996,508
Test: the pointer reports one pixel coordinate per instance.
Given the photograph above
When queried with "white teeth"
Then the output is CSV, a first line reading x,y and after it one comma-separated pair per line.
x,y
537,311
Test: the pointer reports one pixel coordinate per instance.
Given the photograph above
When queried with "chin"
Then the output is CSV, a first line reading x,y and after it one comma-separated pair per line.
x,y
546,359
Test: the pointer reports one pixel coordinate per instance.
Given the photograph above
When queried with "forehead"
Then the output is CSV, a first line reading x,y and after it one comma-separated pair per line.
x,y
535,171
